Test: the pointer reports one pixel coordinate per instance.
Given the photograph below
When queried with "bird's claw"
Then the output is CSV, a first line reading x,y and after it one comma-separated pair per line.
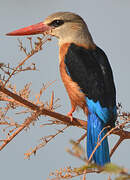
x,y
70,116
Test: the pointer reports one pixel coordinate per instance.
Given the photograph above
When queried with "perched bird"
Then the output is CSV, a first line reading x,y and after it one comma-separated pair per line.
x,y
86,74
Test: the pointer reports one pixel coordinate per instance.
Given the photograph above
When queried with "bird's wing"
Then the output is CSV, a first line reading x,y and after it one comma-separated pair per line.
x,y
91,70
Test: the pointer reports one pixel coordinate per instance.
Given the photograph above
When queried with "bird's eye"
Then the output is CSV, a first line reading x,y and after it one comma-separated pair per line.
x,y
56,23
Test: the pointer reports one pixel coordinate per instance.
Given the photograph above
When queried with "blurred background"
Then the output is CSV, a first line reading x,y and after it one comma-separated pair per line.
x,y
108,22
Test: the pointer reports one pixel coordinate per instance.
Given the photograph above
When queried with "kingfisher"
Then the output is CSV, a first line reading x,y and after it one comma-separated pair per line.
x,y
86,74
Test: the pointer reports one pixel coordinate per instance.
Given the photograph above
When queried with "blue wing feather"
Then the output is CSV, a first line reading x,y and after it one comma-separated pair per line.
x,y
103,113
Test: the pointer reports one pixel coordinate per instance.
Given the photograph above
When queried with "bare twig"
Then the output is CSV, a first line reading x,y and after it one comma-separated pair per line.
x,y
36,49
14,71
116,145
33,117
45,140
81,138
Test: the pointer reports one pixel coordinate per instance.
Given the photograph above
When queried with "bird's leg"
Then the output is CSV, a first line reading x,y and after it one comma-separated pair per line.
x,y
70,113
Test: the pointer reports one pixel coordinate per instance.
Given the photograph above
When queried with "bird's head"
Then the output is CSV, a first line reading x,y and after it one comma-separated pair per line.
x,y
66,26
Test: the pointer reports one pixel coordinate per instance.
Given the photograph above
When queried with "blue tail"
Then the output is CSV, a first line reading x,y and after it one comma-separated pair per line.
x,y
94,128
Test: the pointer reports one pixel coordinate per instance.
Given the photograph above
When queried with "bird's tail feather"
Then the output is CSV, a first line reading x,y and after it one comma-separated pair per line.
x,y
94,128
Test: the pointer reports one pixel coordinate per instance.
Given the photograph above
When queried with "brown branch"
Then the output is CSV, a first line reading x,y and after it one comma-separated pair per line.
x,y
121,132
116,146
81,138
62,118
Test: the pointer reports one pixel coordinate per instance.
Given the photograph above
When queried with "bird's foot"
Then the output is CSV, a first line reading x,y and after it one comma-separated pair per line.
x,y
70,114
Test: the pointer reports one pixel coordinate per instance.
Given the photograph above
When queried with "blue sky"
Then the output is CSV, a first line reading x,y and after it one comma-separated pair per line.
x,y
108,22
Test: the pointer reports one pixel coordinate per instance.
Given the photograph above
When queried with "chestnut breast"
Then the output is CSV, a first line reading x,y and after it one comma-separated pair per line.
x,y
77,97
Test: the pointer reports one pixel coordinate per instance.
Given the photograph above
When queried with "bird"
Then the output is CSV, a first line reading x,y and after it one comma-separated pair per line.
x,y
87,76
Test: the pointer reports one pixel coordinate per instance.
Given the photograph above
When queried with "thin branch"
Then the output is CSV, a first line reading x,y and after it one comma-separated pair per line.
x,y
81,138
33,117
116,146
14,71
45,140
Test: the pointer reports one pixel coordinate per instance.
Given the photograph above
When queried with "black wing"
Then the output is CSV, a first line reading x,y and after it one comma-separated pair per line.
x,y
92,71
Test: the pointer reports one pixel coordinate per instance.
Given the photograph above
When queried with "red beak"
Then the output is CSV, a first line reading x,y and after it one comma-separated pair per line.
x,y
38,28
